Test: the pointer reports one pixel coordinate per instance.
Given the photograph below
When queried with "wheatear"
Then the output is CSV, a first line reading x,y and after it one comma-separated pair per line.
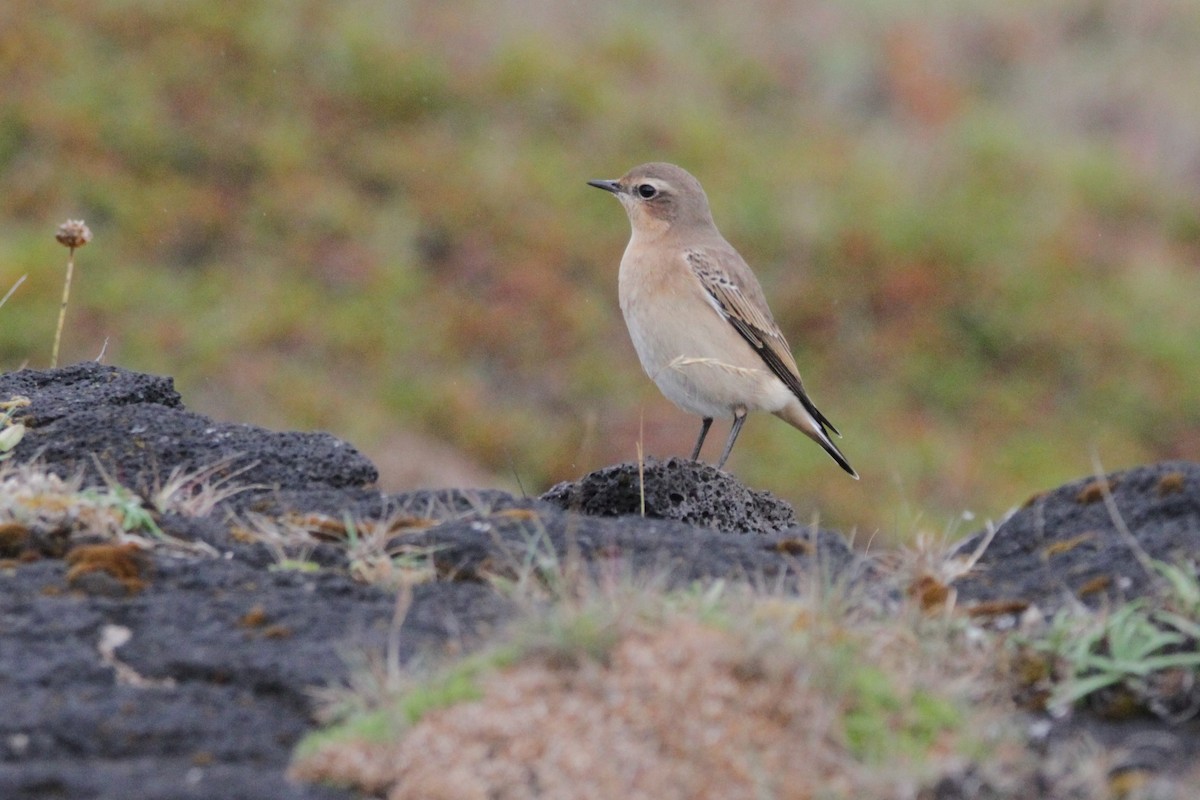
x,y
697,315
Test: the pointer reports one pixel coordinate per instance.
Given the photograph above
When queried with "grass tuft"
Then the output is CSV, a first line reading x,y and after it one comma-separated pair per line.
x,y
708,689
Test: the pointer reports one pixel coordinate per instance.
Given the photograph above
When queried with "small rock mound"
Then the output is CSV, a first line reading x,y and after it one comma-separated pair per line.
x,y
675,489
57,393
109,424
1069,542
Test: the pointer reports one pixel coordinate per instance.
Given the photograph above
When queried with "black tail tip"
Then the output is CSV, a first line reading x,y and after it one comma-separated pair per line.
x,y
837,456
844,464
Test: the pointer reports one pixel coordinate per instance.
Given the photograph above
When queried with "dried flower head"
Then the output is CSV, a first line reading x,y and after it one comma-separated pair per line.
x,y
73,233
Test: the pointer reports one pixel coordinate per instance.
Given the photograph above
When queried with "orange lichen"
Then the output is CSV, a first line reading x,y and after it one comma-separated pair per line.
x,y
794,547
523,514
930,592
1031,667
1171,483
1033,673
1128,782
406,522
1094,492
256,617
243,535
1067,545
322,526
1117,703
1097,584
125,562
996,608
13,538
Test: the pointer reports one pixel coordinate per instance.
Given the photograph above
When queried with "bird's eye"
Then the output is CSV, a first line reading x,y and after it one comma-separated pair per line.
x,y
647,191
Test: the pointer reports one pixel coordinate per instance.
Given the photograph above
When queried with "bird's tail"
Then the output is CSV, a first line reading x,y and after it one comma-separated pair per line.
x,y
798,416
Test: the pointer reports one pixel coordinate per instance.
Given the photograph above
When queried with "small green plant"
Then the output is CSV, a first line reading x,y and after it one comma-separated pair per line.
x,y
1183,590
394,708
294,565
72,234
129,507
1130,647
457,684
42,501
880,722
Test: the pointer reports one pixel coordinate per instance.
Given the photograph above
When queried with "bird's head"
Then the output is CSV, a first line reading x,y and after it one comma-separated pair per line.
x,y
659,197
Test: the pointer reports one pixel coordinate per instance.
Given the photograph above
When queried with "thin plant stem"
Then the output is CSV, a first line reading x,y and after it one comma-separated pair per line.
x,y
62,309
642,462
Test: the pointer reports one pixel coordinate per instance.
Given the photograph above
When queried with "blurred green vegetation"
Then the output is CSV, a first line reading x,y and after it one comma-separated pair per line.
x,y
978,223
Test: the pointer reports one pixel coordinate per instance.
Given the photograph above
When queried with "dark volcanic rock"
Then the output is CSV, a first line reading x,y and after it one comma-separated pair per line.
x,y
1068,543
669,552
208,682
213,686
195,679
678,489
139,444
1068,546
57,393
431,504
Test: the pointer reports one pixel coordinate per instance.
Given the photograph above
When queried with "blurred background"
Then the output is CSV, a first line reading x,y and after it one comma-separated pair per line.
x,y
978,224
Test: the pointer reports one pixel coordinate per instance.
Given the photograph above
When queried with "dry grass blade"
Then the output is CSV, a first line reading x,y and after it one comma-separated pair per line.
x,y
9,293
1114,513
196,492
641,457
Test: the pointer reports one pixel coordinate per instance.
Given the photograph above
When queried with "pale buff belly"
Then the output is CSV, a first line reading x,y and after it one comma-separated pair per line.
x,y
700,362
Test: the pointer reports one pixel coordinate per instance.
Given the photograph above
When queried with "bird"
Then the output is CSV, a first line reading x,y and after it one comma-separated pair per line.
x,y
698,317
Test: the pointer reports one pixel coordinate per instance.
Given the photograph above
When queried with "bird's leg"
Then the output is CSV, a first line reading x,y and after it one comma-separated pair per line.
x,y
703,432
739,418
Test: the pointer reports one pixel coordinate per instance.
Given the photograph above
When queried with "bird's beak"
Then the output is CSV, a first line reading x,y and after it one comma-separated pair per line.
x,y
608,186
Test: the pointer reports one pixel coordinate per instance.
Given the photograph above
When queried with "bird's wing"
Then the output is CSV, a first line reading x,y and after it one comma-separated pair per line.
x,y
737,297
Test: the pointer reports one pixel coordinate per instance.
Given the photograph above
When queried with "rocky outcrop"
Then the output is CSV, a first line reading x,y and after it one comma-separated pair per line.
x,y
180,659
